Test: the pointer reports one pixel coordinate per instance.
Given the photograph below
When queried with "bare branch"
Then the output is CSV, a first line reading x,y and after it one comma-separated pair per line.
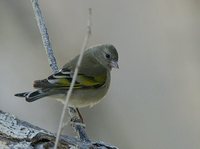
x,y
85,43
45,35
18,134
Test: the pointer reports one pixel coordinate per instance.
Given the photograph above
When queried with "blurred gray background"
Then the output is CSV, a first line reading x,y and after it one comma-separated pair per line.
x,y
154,98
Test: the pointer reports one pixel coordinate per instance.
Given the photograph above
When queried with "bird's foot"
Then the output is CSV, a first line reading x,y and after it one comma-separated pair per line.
x,y
77,121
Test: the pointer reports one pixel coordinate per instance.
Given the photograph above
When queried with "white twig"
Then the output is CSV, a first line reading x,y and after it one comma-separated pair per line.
x,y
85,43
45,35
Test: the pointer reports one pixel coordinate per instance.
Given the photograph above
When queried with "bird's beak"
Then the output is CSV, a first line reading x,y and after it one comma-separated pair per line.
x,y
114,64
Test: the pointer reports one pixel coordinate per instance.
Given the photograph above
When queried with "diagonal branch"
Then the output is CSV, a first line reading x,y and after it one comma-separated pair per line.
x,y
18,134
45,36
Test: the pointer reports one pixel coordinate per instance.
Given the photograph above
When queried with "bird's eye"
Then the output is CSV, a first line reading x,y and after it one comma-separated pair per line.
x,y
108,56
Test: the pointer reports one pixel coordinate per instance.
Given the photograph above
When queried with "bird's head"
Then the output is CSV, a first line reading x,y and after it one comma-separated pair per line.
x,y
107,55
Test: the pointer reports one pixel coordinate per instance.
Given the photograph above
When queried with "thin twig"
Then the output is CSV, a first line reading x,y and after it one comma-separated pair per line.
x,y
85,43
45,36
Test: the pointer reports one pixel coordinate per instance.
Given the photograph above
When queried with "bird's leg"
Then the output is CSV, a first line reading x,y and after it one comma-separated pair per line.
x,y
76,117
80,116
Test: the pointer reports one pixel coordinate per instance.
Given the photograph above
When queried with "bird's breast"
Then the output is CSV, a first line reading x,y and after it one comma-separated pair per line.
x,y
91,96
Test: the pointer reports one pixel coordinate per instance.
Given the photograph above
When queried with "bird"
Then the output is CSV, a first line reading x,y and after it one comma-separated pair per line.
x,y
92,82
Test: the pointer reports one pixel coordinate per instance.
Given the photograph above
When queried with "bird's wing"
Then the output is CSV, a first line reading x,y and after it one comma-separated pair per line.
x,y
63,79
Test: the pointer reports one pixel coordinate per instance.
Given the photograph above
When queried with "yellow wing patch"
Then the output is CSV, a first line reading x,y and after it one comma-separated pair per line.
x,y
82,81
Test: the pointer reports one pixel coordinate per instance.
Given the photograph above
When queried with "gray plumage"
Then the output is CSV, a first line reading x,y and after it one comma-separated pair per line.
x,y
92,81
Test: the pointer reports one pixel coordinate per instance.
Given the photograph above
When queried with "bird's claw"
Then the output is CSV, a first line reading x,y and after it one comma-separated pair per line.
x,y
76,121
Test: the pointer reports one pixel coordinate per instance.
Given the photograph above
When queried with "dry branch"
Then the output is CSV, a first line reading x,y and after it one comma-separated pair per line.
x,y
18,134
45,36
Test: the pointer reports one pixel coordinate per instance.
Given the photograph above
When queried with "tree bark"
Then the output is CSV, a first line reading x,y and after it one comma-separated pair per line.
x,y
18,134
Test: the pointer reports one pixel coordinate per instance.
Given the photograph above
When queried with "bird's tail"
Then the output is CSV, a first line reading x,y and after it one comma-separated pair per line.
x,y
32,96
